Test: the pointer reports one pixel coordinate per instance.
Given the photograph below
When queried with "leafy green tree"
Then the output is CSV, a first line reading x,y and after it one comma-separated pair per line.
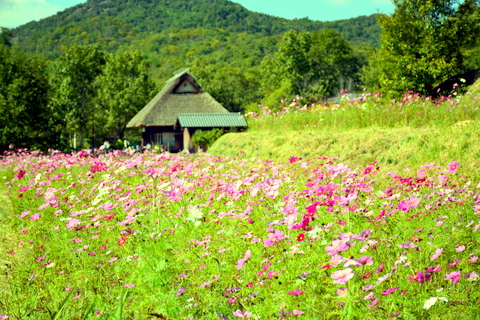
x,y
122,90
309,64
5,36
232,87
422,44
24,109
72,80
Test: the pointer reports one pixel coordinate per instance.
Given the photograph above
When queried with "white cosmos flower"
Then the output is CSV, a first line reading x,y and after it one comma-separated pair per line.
x,y
430,302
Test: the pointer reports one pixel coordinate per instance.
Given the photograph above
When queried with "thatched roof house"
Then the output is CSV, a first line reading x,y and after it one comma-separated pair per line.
x,y
159,118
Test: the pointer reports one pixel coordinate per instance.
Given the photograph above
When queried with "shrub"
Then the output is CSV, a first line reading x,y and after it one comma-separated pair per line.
x,y
206,138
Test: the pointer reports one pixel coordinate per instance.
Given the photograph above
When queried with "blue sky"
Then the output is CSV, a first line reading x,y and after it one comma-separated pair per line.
x,y
14,13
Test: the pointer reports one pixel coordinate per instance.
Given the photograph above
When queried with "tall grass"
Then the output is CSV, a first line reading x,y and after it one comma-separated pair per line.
x,y
369,110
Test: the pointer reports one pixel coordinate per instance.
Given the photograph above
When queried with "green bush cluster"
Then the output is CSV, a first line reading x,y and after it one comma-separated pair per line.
x,y
205,138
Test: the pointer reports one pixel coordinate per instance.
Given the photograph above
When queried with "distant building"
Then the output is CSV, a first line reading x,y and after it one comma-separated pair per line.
x,y
170,119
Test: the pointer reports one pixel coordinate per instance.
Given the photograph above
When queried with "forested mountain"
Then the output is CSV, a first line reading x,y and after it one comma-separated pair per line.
x,y
173,33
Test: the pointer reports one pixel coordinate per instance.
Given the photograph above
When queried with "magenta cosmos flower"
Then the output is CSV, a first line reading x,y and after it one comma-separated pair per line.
x,y
342,276
296,292
273,238
452,167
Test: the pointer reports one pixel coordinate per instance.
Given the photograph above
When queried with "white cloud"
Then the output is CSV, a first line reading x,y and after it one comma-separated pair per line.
x,y
14,13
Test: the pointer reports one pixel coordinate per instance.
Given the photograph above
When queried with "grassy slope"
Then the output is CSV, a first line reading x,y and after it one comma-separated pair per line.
x,y
394,148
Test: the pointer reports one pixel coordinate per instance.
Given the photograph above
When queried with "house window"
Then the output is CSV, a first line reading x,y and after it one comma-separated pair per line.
x,y
165,139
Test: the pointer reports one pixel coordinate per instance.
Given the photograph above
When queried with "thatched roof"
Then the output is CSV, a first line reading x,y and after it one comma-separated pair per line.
x,y
181,94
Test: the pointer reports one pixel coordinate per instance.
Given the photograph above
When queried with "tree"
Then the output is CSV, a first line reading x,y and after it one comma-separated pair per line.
x,y
73,77
24,109
308,64
233,87
123,89
5,36
422,44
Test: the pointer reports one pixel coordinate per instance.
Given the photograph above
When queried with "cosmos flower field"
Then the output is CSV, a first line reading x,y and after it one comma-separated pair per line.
x,y
168,236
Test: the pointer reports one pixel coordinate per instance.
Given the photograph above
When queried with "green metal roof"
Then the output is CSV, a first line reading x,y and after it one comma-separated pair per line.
x,y
207,120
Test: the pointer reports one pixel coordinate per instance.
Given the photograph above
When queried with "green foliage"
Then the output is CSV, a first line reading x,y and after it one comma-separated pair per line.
x,y
173,34
24,112
229,85
115,24
205,138
422,44
309,63
73,79
123,89
5,36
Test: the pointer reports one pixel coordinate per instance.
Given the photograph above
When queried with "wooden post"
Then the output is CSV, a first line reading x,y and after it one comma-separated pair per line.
x,y
187,141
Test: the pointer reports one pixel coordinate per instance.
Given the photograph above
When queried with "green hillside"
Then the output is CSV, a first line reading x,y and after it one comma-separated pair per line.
x,y
173,34
398,135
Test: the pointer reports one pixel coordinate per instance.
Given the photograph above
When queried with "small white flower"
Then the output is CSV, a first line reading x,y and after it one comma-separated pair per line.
x,y
430,302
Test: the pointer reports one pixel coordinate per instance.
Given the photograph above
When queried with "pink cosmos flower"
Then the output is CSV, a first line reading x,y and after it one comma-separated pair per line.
x,y
437,254
390,290
421,173
460,249
264,268
342,276
296,292
24,213
205,284
452,167
242,314
383,278
72,223
335,260
454,263
296,312
380,269
242,261
273,238
366,260
373,303
337,247
272,274
368,287
342,291
369,296
121,241
454,276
